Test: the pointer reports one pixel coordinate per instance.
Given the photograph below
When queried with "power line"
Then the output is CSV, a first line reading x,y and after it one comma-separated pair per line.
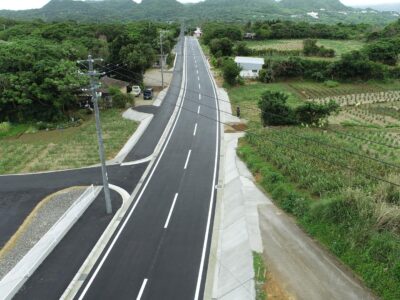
x,y
324,160
310,139
259,110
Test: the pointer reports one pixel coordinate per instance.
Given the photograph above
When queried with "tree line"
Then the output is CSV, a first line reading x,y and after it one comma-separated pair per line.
x,y
39,78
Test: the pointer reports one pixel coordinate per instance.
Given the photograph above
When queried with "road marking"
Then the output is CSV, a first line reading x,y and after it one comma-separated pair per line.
x,y
103,259
137,162
124,194
210,209
199,96
198,78
199,86
198,110
195,130
197,71
170,211
142,289
187,159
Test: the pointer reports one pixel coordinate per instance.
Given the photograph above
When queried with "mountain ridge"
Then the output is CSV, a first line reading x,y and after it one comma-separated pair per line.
x,y
171,10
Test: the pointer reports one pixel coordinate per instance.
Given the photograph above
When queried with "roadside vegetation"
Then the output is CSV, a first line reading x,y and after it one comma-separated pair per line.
x,y
260,277
46,119
323,139
26,149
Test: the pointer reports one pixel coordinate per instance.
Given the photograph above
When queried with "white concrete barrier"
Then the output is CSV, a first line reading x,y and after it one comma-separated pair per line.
x,y
15,279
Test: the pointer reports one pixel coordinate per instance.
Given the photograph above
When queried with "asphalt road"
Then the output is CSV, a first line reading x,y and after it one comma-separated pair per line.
x,y
160,250
19,194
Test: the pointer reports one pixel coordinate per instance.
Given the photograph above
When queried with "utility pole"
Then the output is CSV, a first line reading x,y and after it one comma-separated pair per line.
x,y
162,59
93,75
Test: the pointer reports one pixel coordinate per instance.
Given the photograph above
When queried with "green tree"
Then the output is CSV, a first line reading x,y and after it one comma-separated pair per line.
x,y
221,47
230,71
274,110
313,113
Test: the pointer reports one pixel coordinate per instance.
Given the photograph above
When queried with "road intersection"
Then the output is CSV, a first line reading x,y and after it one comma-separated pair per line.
x,y
161,248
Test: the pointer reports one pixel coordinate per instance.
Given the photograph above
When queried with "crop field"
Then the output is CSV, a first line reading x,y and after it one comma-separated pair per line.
x,y
342,181
312,90
340,46
64,149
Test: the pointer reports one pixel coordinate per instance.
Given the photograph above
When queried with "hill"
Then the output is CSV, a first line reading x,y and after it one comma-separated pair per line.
x,y
327,11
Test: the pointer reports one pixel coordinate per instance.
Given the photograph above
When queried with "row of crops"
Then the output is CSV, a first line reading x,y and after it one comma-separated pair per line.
x,y
312,90
363,98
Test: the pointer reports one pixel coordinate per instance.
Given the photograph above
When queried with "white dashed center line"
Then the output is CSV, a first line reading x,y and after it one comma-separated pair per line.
x,y
187,159
170,211
142,289
195,130
198,110
199,96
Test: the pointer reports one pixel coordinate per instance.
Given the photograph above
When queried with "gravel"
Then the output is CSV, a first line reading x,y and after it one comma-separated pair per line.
x,y
42,220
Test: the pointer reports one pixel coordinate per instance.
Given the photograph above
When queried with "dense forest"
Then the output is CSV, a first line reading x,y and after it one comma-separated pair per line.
x,y
39,77
325,11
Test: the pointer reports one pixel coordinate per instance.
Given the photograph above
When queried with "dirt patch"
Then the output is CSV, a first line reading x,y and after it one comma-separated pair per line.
x,y
238,127
274,289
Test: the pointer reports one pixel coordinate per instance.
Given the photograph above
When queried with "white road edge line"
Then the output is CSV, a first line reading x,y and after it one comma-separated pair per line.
x,y
142,191
198,110
187,159
170,211
206,235
195,130
142,289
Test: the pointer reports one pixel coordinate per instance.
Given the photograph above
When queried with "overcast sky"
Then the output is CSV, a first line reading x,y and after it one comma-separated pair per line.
x,y
25,4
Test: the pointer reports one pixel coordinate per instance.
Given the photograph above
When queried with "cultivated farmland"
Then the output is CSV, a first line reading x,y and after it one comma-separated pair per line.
x,y
340,46
341,181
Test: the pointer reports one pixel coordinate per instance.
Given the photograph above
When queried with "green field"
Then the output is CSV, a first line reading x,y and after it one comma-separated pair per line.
x,y
63,149
340,46
340,182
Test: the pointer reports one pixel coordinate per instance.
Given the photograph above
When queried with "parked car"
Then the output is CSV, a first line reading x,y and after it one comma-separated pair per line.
x,y
148,94
136,90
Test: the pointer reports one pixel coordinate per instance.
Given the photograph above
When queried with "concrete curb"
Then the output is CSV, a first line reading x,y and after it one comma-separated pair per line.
x,y
161,97
144,120
15,279
97,250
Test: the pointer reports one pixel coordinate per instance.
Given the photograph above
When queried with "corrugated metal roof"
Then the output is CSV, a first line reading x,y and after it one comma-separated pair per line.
x,y
249,60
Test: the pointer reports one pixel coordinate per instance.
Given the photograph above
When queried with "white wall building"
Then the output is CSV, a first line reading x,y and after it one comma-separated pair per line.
x,y
198,33
251,66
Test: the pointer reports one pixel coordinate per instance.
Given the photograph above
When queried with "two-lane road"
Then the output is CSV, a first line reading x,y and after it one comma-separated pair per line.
x,y
161,249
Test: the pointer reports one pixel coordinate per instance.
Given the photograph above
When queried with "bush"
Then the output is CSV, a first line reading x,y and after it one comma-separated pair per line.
x,y
230,71
242,49
312,113
5,127
119,99
274,110
331,84
311,49
221,47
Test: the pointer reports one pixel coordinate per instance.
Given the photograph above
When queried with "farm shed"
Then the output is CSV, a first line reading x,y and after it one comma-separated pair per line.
x,y
250,66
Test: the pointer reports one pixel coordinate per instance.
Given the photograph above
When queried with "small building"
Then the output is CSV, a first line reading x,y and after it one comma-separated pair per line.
x,y
198,33
249,36
250,66
108,82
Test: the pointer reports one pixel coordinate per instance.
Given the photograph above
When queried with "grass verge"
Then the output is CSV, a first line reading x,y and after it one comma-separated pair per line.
x,y
67,148
260,273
